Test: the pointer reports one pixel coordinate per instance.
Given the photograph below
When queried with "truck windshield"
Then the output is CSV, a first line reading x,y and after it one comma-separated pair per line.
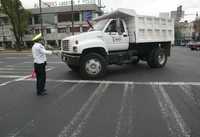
x,y
99,26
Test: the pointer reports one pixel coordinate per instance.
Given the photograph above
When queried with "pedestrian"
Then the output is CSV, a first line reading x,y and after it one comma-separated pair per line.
x,y
39,55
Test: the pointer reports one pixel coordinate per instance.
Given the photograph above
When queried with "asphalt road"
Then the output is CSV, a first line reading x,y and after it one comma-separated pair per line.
x,y
130,101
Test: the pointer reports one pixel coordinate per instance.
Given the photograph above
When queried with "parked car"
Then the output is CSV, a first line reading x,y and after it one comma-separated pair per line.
x,y
194,45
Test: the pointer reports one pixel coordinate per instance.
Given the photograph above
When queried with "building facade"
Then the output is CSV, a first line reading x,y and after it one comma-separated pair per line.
x,y
56,22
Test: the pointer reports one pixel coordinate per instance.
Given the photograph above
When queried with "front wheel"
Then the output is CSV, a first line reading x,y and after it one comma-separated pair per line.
x,y
157,58
136,61
93,66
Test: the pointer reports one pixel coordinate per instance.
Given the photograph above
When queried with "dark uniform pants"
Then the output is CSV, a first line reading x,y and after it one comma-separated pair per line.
x,y
40,76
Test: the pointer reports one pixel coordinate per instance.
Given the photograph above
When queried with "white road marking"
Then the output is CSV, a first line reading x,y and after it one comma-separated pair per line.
x,y
10,66
15,69
15,80
122,111
124,82
18,131
77,123
10,76
48,62
20,79
14,72
12,58
130,115
175,122
125,122
188,91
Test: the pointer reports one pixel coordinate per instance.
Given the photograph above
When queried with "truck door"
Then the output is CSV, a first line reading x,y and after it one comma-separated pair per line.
x,y
116,37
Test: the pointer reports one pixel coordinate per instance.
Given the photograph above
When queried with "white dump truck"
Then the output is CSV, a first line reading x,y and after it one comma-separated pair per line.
x,y
119,37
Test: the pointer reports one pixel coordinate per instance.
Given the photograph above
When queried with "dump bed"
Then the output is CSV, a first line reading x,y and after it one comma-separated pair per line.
x,y
153,29
144,29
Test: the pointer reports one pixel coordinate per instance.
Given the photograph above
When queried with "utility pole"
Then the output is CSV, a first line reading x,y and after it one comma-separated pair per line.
x,y
41,20
72,10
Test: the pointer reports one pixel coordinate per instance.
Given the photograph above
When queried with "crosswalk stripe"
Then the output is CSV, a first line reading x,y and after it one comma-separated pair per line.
x,y
173,118
10,76
49,62
15,69
21,78
130,115
125,119
121,113
74,128
187,89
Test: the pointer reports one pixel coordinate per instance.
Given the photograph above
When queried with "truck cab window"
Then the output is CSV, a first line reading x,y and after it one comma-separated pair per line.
x,y
112,26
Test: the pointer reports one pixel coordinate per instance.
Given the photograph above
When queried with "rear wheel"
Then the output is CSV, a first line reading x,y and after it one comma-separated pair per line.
x,y
93,66
157,58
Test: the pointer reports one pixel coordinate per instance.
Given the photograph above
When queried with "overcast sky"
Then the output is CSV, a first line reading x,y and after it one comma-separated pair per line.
x,y
147,7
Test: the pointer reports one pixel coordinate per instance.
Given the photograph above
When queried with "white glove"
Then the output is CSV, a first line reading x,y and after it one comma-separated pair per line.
x,y
56,52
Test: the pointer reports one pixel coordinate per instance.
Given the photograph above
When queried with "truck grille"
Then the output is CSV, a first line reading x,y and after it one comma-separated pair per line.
x,y
66,45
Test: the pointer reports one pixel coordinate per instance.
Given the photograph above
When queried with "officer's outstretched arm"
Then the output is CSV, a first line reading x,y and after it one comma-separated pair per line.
x,y
44,51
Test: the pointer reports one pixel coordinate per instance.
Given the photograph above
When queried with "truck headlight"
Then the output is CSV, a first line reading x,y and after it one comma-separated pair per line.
x,y
76,42
75,49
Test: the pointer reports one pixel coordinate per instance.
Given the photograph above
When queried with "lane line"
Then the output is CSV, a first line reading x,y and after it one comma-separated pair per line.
x,y
17,57
121,118
173,118
123,82
15,80
14,73
16,64
48,62
77,132
15,69
77,123
10,76
21,78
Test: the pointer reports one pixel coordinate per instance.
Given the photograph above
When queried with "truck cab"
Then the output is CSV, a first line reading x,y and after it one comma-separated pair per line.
x,y
114,39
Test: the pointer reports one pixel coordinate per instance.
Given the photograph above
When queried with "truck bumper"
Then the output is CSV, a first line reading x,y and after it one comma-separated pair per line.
x,y
71,59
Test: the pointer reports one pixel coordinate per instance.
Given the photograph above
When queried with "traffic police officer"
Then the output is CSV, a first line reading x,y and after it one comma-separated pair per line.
x,y
39,55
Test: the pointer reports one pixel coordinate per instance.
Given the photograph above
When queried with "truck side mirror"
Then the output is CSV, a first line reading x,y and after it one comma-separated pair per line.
x,y
125,34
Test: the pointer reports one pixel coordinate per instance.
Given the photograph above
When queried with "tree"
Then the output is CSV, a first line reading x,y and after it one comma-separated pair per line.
x,y
18,18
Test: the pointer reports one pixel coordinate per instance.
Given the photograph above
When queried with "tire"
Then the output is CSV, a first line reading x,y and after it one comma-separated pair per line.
x,y
74,68
157,58
93,66
136,61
